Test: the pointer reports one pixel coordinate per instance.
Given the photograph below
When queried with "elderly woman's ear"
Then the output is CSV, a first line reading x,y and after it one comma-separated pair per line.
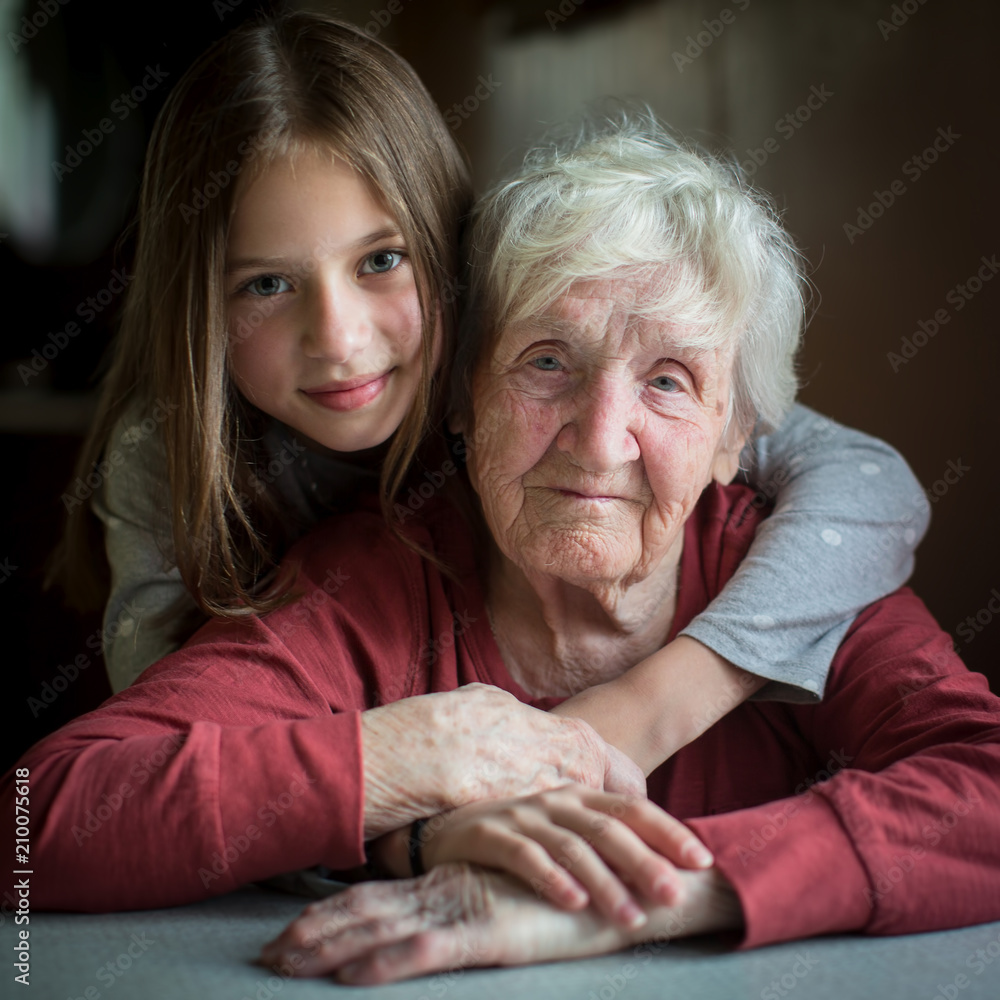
x,y
727,458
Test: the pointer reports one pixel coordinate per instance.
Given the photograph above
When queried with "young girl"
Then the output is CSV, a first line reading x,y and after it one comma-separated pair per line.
x,y
210,470
283,347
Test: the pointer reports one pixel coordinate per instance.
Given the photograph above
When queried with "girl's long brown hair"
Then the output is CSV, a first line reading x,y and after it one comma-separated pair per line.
x,y
269,87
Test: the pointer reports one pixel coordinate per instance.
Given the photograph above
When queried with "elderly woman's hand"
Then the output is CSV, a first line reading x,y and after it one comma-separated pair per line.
x,y
429,754
574,845
458,917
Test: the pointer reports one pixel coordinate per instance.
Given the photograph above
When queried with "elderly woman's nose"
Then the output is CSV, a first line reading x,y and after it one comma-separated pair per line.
x,y
600,434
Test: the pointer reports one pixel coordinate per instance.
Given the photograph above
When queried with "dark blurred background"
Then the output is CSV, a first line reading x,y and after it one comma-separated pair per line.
x,y
830,106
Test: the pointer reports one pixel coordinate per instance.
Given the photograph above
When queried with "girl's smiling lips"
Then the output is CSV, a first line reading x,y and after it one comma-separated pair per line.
x,y
350,394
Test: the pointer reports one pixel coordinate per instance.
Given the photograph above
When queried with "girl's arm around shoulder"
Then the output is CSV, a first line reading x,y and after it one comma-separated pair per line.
x,y
149,611
664,702
848,513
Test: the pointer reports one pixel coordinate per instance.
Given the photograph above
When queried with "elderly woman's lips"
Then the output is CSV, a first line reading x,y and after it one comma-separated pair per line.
x,y
598,497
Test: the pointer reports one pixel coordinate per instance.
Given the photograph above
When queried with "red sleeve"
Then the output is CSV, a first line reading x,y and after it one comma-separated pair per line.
x,y
902,839
234,759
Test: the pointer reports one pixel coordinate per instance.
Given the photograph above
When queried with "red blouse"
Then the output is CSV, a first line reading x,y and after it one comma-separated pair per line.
x,y
239,756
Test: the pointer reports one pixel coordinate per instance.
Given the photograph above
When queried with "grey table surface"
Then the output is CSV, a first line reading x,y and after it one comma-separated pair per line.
x,y
207,950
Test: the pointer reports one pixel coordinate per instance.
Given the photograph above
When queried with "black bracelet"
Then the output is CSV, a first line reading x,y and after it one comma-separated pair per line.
x,y
371,869
414,845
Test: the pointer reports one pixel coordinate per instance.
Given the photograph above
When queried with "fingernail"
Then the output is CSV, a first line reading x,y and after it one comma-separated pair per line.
x,y
664,888
631,916
698,855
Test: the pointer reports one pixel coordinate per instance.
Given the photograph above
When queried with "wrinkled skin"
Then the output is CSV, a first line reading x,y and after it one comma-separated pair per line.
x,y
458,916
429,754
596,430
596,427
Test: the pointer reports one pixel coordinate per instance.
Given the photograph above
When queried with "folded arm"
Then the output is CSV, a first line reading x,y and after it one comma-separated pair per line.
x,y
234,761
902,837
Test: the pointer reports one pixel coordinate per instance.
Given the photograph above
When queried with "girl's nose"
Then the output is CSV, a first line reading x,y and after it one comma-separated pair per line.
x,y
337,323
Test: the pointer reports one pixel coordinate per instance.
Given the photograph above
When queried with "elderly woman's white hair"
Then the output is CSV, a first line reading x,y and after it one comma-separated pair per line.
x,y
621,194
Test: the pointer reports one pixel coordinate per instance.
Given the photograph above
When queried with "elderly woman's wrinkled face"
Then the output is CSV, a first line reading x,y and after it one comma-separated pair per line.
x,y
596,429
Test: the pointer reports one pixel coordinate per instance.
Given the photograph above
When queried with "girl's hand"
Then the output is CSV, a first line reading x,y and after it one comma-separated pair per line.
x,y
574,845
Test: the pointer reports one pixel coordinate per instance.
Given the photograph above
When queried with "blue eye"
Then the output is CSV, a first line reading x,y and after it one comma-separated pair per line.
x,y
267,285
547,363
665,384
381,262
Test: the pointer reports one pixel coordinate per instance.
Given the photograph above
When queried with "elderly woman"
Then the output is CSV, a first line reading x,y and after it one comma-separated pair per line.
x,y
625,348
610,388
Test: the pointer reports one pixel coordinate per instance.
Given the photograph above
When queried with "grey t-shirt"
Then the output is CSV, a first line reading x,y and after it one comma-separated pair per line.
x,y
848,515
150,611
